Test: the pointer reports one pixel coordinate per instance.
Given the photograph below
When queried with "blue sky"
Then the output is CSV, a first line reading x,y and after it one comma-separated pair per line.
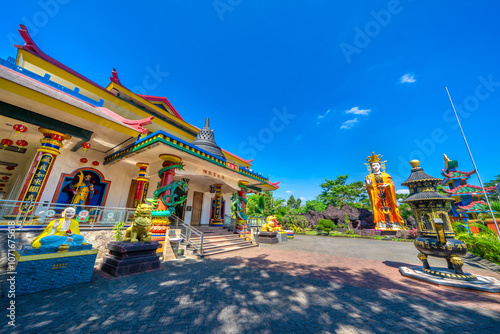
x,y
307,88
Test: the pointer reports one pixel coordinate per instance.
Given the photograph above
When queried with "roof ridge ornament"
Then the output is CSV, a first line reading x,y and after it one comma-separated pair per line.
x,y
205,140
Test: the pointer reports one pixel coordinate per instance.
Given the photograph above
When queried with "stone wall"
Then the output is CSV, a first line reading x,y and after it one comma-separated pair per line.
x,y
359,218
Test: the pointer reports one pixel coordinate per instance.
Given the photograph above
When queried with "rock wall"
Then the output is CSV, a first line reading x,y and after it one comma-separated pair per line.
x,y
359,218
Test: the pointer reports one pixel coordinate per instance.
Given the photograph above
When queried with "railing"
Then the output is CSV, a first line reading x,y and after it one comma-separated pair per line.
x,y
187,232
256,221
36,215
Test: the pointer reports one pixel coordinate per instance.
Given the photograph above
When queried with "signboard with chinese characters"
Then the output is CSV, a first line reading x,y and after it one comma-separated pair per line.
x,y
38,180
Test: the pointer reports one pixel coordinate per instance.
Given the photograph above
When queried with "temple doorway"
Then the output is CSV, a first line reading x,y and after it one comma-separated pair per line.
x,y
197,204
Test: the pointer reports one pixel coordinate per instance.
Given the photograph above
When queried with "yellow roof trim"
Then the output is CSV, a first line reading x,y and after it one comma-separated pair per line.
x,y
52,69
63,106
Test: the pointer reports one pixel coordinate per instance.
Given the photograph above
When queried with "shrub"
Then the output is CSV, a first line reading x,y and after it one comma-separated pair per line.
x,y
326,223
326,231
320,227
413,233
349,232
483,244
118,233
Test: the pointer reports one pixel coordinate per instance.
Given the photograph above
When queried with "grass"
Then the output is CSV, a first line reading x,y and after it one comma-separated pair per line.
x,y
343,235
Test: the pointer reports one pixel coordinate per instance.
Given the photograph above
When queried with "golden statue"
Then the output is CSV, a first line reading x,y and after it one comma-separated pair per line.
x,y
139,230
382,194
64,232
82,189
271,225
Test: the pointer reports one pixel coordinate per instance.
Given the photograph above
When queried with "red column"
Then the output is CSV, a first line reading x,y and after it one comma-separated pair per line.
x,y
168,175
141,189
41,166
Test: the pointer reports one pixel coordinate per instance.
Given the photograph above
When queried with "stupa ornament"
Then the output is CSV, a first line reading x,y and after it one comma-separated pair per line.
x,y
205,140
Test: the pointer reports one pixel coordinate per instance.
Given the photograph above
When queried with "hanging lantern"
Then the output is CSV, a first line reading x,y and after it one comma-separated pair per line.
x,y
2,184
1,189
21,143
84,160
5,178
85,146
56,137
95,163
6,142
19,128
10,167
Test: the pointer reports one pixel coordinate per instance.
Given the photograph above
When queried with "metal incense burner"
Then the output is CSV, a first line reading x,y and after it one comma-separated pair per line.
x,y
435,235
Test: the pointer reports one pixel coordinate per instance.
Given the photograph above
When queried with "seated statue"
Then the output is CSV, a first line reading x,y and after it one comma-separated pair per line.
x,y
271,225
382,194
139,230
62,233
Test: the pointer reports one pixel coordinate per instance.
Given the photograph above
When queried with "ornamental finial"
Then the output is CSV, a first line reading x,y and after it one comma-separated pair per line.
x,y
374,158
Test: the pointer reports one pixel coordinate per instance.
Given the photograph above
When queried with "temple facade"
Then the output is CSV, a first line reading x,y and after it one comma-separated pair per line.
x,y
84,144
467,198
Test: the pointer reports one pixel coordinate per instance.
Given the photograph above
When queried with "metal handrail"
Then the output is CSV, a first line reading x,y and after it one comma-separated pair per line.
x,y
187,235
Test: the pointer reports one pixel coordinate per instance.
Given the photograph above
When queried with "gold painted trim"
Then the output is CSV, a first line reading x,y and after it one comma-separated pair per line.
x,y
53,255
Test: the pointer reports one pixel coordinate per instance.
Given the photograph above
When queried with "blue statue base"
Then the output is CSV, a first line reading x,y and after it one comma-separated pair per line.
x,y
40,269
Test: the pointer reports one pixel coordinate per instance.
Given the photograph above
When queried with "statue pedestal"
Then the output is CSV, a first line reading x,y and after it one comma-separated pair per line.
x,y
268,238
40,269
127,258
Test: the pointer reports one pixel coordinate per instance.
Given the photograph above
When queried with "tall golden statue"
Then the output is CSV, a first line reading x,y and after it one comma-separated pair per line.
x,y
383,196
82,189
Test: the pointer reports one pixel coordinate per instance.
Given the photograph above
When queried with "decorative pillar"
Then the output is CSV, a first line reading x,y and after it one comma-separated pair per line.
x,y
167,173
218,214
41,166
242,202
141,189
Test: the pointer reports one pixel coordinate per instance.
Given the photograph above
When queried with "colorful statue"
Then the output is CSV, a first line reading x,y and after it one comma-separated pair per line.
x,y
62,233
383,196
272,225
139,230
82,189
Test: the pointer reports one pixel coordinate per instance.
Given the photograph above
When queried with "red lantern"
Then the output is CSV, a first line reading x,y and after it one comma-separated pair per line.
x,y
85,146
19,128
21,143
56,137
5,178
1,189
2,184
10,167
84,160
6,142
95,163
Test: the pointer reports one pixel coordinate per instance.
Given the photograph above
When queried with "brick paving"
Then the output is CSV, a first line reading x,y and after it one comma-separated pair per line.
x,y
261,290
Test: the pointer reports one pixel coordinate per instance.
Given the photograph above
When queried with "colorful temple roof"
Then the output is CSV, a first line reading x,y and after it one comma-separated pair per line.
x,y
468,189
474,207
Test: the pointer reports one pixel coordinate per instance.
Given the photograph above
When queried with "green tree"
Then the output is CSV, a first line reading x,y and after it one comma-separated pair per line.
x,y
314,205
272,205
493,182
291,202
339,193
298,203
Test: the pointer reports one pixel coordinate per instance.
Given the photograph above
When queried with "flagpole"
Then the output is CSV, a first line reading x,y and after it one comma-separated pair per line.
x,y
474,164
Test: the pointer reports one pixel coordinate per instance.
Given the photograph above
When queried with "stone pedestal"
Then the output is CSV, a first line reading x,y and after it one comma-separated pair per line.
x,y
40,269
282,237
127,258
268,238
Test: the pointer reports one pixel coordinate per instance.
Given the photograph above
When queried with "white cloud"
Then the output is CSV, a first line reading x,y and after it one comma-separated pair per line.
x,y
302,198
407,78
349,124
357,111
289,191
320,116
402,191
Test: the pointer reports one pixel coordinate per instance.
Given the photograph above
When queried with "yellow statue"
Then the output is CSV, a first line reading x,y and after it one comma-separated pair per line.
x,y
271,225
139,230
383,197
63,232
82,189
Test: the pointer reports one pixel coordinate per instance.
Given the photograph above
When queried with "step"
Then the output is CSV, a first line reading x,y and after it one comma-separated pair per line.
x,y
227,250
226,244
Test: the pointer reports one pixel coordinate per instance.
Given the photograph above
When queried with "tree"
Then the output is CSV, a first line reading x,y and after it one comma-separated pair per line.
x,y
273,205
291,202
298,203
339,193
314,205
493,182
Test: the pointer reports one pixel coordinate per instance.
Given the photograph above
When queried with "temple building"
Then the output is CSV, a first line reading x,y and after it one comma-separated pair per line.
x,y
66,139
467,197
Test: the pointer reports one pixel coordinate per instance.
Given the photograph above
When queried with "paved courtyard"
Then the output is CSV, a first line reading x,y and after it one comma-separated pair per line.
x,y
309,285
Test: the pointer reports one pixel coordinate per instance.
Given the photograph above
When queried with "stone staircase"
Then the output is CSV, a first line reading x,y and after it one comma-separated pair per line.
x,y
217,240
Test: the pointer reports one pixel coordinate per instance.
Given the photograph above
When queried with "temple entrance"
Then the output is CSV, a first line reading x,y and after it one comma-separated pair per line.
x,y
197,204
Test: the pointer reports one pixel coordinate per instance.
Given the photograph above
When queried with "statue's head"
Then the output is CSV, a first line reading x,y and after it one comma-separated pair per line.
x,y
143,210
69,212
270,219
375,167
375,162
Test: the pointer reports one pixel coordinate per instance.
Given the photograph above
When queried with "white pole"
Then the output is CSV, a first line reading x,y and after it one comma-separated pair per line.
x,y
474,164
